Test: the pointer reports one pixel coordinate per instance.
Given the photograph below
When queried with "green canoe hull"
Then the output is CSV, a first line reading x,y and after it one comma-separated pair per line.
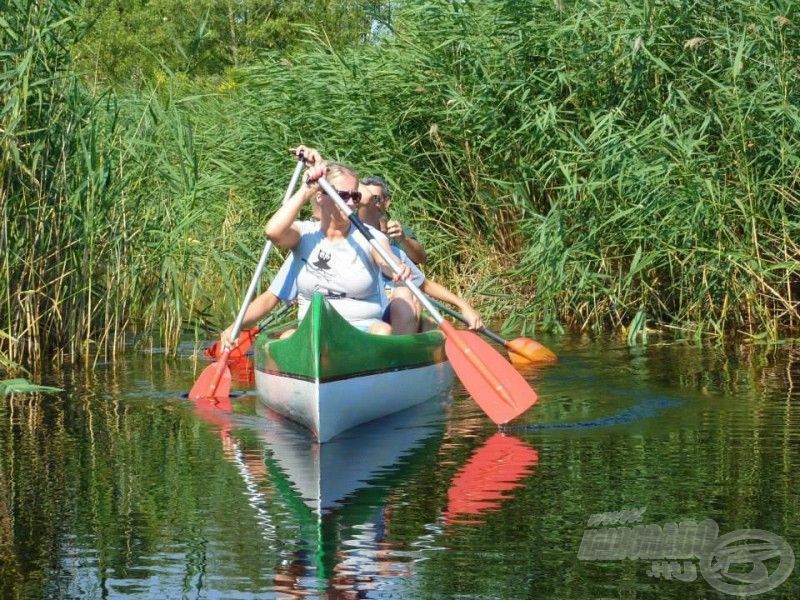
x,y
330,376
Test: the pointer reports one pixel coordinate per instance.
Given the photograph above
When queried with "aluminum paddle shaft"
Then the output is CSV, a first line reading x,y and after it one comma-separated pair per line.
x,y
248,296
215,380
521,350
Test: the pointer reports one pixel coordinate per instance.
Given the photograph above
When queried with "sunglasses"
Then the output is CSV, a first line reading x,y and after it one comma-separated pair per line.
x,y
348,195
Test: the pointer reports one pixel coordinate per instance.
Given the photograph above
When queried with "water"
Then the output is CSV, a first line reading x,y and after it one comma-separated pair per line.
x,y
120,488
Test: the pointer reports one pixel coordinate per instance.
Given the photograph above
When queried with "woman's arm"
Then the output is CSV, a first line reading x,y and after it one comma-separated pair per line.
x,y
440,292
258,309
405,271
281,228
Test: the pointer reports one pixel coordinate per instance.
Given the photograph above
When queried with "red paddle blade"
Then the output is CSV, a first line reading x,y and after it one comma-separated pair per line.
x,y
483,483
491,380
245,342
242,371
214,351
525,351
214,381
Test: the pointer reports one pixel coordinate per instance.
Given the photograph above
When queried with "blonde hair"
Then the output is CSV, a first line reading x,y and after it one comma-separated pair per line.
x,y
333,169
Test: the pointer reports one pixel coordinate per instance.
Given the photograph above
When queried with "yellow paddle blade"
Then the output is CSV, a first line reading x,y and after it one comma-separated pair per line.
x,y
525,351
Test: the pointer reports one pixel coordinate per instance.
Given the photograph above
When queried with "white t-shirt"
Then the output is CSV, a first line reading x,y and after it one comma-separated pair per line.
x,y
284,284
342,271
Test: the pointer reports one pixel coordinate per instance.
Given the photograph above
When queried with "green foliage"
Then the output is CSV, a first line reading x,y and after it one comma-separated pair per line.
x,y
629,159
573,167
48,172
23,386
139,41
103,199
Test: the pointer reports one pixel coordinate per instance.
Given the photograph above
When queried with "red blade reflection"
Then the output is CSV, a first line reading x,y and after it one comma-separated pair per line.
x,y
484,481
217,412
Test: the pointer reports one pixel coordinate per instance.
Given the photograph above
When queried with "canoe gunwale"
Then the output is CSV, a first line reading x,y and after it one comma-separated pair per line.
x,y
354,375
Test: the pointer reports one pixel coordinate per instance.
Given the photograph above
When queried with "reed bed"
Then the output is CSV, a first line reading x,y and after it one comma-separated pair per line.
x,y
622,165
618,166
110,215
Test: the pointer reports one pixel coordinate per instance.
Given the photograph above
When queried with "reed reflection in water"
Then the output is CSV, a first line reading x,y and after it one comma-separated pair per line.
x,y
120,488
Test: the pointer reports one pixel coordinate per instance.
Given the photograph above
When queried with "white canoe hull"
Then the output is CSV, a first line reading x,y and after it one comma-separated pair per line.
x,y
328,408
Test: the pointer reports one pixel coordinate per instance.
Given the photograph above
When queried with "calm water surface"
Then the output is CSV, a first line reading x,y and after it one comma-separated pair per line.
x,y
120,488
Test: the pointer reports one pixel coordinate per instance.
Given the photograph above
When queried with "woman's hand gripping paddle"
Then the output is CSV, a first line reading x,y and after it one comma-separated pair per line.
x,y
215,380
496,386
240,349
521,350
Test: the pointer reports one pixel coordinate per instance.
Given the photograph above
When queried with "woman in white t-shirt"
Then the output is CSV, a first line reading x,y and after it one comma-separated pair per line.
x,y
331,256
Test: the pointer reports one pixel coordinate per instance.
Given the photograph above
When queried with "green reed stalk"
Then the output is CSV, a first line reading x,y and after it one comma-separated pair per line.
x,y
624,159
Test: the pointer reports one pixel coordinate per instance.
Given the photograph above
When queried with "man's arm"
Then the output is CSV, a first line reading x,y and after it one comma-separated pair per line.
x,y
439,292
407,241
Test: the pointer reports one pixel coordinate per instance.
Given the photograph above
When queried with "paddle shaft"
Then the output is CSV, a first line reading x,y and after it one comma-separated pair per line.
x,y
457,315
272,318
521,351
210,379
243,344
237,324
386,255
449,331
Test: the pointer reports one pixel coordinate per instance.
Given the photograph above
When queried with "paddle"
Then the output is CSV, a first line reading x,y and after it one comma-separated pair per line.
x,y
242,346
521,350
238,350
215,380
495,385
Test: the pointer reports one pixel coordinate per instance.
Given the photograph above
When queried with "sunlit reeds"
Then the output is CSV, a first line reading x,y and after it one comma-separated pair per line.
x,y
112,219
623,166
635,164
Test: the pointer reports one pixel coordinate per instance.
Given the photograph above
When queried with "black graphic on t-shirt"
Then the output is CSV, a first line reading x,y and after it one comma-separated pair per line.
x,y
322,270
322,260
320,267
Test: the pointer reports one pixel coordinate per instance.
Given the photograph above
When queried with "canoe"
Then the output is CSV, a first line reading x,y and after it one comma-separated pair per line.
x,y
329,376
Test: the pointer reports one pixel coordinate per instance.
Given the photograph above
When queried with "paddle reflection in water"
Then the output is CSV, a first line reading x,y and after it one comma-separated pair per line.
x,y
493,470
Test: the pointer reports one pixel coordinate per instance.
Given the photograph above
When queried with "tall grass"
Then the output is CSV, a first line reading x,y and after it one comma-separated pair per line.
x,y
618,165
636,163
41,136
107,205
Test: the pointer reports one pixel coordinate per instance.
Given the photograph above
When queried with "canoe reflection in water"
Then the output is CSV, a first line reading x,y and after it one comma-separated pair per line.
x,y
370,501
